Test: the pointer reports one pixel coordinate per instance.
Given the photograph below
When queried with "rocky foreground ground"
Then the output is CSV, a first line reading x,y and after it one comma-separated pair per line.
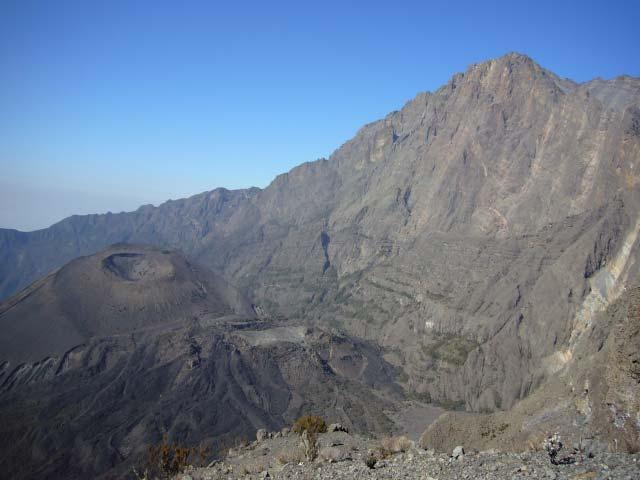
x,y
344,456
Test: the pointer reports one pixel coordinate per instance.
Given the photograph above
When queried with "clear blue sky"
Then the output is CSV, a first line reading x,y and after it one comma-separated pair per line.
x,y
105,105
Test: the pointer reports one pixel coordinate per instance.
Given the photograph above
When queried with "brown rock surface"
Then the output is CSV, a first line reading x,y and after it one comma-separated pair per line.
x,y
592,401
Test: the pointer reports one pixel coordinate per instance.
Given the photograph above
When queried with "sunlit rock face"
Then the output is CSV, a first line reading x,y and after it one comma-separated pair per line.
x,y
471,233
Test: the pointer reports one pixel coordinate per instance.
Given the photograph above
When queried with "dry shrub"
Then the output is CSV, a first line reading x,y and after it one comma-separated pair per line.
x,y
310,445
312,424
252,468
291,455
371,461
308,427
391,445
165,460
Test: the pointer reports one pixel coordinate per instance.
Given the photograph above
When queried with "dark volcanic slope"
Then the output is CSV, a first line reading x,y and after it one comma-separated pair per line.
x,y
94,412
120,290
473,233
104,356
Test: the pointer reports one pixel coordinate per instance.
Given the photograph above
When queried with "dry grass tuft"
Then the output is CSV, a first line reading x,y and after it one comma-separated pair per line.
x,y
391,445
291,455
252,468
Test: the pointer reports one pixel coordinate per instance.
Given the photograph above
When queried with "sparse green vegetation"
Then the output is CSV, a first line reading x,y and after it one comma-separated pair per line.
x,y
390,290
457,405
361,311
420,396
343,295
449,348
493,431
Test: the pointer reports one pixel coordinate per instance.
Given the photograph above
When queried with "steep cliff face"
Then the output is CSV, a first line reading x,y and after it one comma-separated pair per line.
x,y
592,400
465,233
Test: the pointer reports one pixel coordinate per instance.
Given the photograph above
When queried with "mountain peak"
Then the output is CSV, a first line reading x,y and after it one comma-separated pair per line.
x,y
513,62
516,57
511,72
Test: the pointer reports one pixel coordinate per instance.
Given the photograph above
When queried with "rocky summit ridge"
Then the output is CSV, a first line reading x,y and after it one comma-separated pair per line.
x,y
481,243
342,455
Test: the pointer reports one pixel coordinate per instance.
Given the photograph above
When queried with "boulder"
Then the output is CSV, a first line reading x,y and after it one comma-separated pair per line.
x,y
261,435
337,427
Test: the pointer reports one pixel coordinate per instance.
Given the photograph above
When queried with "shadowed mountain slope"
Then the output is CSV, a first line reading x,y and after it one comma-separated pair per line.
x,y
106,355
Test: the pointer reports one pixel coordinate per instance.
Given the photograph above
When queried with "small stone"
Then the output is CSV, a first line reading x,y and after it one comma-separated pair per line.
x,y
337,427
261,435
458,451
265,474
381,464
187,477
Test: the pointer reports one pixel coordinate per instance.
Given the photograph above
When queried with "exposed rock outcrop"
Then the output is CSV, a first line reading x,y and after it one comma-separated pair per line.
x,y
349,456
592,400
463,231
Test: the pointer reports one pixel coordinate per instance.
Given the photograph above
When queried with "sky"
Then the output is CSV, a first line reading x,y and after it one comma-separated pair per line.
x,y
108,105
